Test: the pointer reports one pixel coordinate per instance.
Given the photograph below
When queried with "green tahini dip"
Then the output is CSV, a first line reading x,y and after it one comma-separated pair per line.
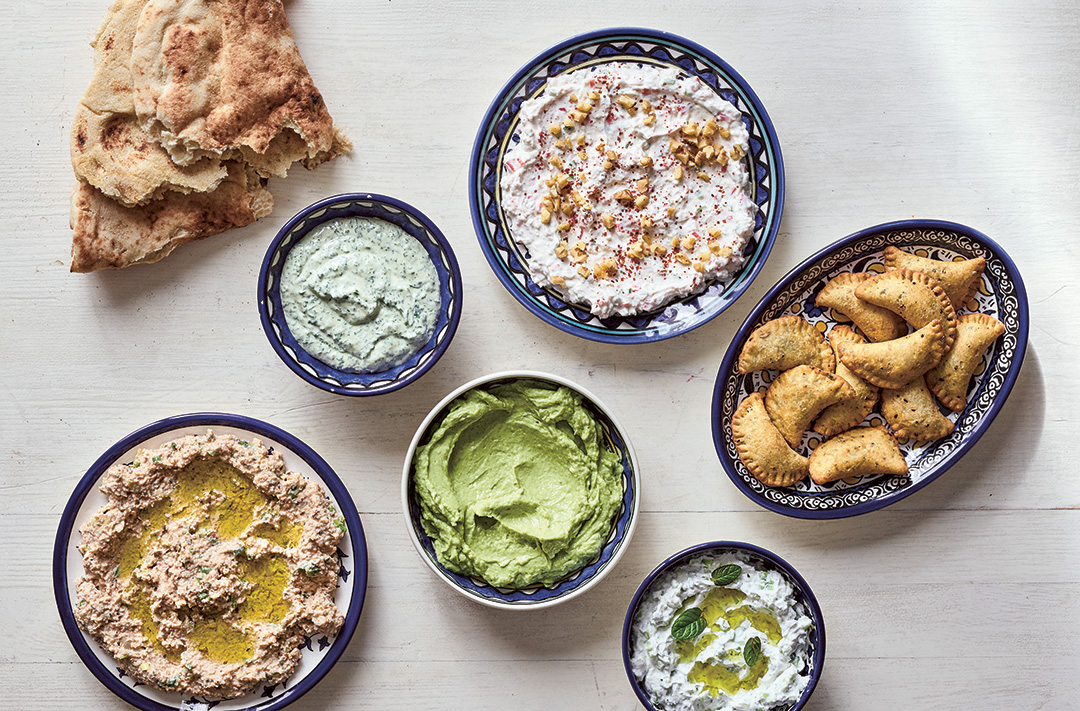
x,y
360,294
517,484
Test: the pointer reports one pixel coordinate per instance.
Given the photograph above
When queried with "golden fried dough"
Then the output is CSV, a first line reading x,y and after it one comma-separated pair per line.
x,y
784,343
915,296
797,396
844,415
960,279
912,413
949,379
857,452
762,448
879,324
895,363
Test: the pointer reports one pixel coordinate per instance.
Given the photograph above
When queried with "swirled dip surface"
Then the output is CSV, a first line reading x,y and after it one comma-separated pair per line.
x,y
517,484
709,672
209,565
360,294
628,187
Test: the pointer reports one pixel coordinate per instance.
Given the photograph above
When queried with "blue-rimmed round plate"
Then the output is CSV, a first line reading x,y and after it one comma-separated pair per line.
x,y
804,601
319,653
536,596
1001,294
312,369
497,132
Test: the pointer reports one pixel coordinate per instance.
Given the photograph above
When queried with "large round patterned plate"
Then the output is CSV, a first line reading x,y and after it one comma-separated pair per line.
x,y
1001,294
508,260
318,653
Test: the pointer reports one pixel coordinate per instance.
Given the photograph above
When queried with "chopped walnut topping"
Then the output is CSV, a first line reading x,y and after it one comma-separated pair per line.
x,y
545,216
580,140
562,143
715,232
678,172
563,227
682,258
644,161
606,269
642,184
568,122
594,96
646,223
649,119
627,102
690,129
557,280
671,211
577,197
724,133
688,242
659,250
582,155
608,220
608,165
636,250
641,201
674,242
562,180
578,116
577,254
623,196
611,155
573,98
704,255
698,266
555,129
560,250
556,161
704,176
584,271
710,128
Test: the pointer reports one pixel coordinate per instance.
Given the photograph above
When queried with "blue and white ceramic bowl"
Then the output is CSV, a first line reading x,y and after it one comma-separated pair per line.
x,y
319,653
1001,294
536,596
804,598
497,132
314,370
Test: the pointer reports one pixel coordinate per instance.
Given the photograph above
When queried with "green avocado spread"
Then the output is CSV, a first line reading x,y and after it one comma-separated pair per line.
x,y
517,484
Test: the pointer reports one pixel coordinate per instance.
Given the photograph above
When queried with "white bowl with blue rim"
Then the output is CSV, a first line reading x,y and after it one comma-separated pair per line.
x,y
315,371
508,260
319,653
535,596
804,600
1001,294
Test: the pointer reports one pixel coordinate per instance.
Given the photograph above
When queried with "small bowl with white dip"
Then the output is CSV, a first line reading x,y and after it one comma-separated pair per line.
x,y
360,294
722,626
520,490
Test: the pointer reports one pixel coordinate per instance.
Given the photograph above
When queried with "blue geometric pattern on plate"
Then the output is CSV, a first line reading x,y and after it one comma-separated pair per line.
x,y
315,371
616,541
1001,294
507,259
352,572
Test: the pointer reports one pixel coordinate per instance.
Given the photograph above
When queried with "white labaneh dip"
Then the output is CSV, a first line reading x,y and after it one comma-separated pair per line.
x,y
360,294
709,671
628,187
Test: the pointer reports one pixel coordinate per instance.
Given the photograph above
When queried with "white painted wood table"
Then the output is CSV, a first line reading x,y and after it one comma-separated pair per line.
x,y
964,596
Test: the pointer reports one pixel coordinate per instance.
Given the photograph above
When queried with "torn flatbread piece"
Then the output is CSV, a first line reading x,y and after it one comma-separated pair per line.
x,y
894,364
859,452
762,448
879,324
913,414
949,379
842,416
108,235
225,77
109,148
784,343
797,396
960,280
913,295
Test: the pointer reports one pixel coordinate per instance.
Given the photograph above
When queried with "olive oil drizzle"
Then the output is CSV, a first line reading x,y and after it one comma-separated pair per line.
x,y
231,502
729,675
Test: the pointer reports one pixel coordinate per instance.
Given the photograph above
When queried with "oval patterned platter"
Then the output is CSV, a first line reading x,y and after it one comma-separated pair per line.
x,y
318,653
498,133
1000,294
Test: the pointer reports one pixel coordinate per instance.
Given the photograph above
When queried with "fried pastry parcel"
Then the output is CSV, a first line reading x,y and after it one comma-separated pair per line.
x,y
894,364
762,448
797,396
960,279
857,452
784,343
915,296
949,379
844,415
879,324
912,413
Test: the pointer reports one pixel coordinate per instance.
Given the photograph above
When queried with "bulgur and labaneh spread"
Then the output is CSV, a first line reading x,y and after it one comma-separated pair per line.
x,y
209,566
627,187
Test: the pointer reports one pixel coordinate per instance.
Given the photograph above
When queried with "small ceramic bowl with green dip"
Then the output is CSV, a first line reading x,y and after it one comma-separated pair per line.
x,y
521,490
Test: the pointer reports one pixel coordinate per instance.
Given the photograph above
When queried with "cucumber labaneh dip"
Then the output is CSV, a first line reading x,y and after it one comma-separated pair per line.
x,y
628,187
209,566
721,632
360,294
517,484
